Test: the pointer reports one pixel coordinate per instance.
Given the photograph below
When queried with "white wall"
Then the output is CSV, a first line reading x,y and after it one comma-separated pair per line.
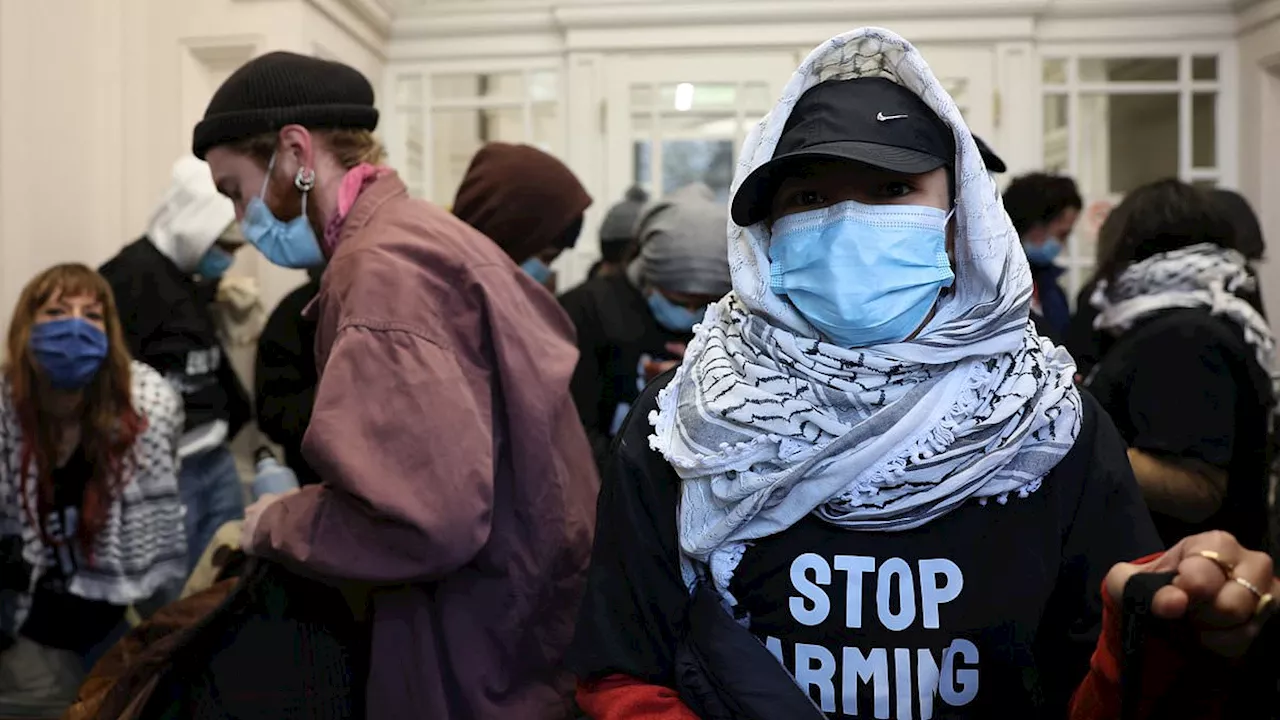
x,y
1260,133
98,98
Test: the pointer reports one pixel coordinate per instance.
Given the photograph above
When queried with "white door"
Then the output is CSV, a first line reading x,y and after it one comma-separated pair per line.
x,y
677,119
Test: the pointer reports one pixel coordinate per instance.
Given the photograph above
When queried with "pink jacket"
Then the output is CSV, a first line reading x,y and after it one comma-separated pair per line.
x,y
458,481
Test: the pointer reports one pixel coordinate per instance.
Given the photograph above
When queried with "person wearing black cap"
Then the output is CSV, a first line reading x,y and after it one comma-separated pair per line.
x,y
457,488
871,459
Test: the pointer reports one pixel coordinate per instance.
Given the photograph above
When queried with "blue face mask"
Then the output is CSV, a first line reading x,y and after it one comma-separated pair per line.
x,y
673,317
69,351
215,263
536,269
863,275
290,244
1045,253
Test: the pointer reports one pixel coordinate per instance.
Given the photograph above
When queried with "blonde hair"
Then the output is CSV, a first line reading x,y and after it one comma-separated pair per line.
x,y
349,147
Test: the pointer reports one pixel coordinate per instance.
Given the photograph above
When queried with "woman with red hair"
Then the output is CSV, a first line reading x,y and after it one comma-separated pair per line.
x,y
90,519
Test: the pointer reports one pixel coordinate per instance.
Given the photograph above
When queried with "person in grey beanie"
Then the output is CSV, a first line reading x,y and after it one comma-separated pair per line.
x,y
633,325
618,234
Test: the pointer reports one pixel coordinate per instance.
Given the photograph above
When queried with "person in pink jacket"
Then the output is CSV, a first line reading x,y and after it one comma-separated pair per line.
x,y
458,490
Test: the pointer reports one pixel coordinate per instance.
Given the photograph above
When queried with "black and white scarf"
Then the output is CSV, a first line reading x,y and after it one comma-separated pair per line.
x,y
765,424
1200,276
142,546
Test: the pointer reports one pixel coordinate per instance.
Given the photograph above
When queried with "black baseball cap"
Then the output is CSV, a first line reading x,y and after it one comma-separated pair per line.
x,y
989,157
874,121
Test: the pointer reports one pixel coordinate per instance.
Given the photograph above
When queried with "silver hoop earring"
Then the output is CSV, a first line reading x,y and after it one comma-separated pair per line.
x,y
305,180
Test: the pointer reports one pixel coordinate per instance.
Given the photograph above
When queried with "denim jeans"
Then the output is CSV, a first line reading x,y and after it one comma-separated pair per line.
x,y
212,494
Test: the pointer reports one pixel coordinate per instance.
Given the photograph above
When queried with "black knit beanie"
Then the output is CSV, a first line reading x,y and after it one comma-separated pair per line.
x,y
283,88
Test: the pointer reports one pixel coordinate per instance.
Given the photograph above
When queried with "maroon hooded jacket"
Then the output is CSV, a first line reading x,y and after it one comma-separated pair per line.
x,y
457,481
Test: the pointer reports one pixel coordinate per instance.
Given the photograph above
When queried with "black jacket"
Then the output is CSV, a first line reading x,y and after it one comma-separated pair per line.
x,y
616,334
168,325
285,377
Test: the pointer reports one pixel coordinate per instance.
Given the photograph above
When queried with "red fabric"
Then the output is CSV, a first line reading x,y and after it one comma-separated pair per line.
x,y
619,697
1171,677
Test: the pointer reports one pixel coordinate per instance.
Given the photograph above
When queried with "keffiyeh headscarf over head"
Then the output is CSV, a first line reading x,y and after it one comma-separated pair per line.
x,y
765,423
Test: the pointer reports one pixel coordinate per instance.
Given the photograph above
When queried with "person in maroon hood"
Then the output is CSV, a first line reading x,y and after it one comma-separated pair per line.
x,y
526,201
457,487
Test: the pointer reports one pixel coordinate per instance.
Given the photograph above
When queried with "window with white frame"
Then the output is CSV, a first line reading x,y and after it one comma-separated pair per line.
x,y
442,118
1117,123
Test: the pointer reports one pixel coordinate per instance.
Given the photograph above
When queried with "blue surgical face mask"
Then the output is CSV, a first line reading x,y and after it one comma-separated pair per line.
x,y
1045,253
215,263
673,317
69,351
538,270
290,244
863,275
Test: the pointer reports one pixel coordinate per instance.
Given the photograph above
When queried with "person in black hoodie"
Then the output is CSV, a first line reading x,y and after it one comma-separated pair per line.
x,y
634,325
1184,370
1044,209
164,284
285,376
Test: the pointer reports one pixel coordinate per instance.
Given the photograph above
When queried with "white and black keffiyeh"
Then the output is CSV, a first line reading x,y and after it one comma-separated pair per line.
x,y
142,546
1200,276
765,424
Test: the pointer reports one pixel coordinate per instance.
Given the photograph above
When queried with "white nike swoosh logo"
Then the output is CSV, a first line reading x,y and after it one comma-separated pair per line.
x,y
882,117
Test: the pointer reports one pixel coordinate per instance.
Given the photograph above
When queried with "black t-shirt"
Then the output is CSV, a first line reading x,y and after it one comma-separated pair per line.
x,y
169,326
990,611
57,618
617,334
1185,384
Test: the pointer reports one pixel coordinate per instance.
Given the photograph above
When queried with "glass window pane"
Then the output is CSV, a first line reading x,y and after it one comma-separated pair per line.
x,y
1126,141
1136,69
544,86
1055,71
1204,130
641,97
689,161
409,89
414,162
1204,67
1055,133
547,127
457,135
642,155
756,99
697,96
502,86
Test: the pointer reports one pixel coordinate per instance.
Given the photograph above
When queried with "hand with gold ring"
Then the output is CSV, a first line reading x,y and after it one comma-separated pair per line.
x,y
1224,591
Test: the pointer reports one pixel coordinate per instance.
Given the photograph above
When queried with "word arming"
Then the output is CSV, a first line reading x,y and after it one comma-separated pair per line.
x,y
905,597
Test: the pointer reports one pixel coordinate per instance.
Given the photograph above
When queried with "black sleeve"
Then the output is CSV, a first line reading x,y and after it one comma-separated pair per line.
x,y
585,385
136,303
1105,523
1182,396
633,610
1084,342
285,376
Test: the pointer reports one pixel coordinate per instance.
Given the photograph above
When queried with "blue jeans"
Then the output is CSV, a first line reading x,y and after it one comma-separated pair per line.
x,y
211,491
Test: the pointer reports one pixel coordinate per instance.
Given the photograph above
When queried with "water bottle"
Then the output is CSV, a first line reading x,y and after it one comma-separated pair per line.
x,y
272,477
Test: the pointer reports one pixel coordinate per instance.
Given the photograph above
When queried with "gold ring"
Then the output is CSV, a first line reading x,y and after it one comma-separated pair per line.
x,y
1211,555
1264,603
1250,587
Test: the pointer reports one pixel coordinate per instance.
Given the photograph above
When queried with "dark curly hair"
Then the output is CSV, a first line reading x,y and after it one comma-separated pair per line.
x,y
1038,198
